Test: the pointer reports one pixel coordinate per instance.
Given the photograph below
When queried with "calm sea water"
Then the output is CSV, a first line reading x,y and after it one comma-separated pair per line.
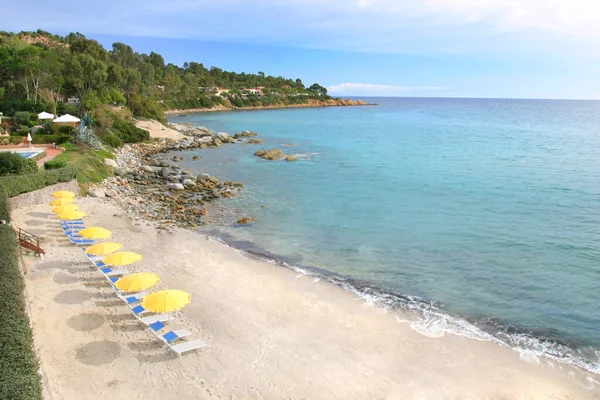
x,y
483,216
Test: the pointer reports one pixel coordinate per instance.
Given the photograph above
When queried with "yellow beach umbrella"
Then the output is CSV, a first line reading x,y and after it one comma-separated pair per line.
x,y
63,194
166,301
65,208
62,201
122,258
101,249
95,232
71,215
137,282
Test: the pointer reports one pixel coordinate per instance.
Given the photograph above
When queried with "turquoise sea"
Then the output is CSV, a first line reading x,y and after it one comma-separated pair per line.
x,y
474,216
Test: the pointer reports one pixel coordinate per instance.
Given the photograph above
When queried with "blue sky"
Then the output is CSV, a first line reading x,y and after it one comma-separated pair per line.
x,y
452,48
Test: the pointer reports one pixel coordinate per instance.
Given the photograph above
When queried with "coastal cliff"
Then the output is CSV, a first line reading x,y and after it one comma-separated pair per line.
x,y
309,103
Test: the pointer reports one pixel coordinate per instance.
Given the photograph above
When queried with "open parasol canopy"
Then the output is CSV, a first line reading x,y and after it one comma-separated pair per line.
x,y
166,301
95,232
137,282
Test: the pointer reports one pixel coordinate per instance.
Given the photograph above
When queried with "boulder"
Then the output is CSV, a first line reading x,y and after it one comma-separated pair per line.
x,y
96,193
188,183
195,158
164,172
175,186
110,193
147,168
273,154
244,134
222,136
177,158
216,142
111,163
291,158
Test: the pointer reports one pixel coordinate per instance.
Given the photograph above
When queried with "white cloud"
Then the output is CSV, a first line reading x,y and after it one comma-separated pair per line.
x,y
382,26
369,89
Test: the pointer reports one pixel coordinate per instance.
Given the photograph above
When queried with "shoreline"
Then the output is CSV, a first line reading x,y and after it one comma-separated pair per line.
x,y
310,104
426,311
275,332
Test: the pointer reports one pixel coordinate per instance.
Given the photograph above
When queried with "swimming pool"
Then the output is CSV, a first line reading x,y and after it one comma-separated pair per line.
x,y
28,154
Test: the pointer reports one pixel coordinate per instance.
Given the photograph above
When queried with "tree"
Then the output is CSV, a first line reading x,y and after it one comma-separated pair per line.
x,y
322,91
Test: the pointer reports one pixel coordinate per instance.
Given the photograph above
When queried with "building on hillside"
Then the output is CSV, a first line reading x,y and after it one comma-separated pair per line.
x,y
67,120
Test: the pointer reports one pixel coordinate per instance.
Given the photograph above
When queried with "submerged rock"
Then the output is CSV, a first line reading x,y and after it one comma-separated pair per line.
x,y
256,141
244,134
245,220
195,158
291,158
273,154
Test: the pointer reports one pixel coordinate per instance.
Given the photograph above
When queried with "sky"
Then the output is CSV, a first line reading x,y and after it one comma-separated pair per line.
x,y
431,48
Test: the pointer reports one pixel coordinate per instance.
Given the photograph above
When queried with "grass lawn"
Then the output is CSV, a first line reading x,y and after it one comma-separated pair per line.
x,y
89,163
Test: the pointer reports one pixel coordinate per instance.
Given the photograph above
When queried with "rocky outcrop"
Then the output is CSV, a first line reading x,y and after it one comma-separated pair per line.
x,y
158,190
309,103
273,154
244,134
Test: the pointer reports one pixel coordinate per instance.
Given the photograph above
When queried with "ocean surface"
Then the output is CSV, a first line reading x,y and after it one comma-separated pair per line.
x,y
479,217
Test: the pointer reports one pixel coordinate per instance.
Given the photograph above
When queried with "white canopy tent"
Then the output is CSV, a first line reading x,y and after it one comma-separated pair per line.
x,y
44,115
66,118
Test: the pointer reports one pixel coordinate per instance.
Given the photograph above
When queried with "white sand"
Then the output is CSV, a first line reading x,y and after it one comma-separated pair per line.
x,y
158,130
272,334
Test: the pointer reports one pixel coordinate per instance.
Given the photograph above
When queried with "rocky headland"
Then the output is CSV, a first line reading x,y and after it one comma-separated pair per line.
x,y
309,103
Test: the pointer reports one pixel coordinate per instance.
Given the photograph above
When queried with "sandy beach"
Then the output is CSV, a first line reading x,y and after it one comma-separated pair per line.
x,y
272,334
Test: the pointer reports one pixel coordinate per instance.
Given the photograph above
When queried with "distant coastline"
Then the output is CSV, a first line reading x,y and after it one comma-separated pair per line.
x,y
310,103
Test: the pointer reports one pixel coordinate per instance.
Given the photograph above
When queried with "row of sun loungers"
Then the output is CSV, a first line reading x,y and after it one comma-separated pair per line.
x,y
156,322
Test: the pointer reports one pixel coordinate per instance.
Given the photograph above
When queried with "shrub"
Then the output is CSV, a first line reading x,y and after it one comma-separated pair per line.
x,y
4,205
20,378
13,164
18,184
111,140
66,130
49,139
54,164
128,132
22,118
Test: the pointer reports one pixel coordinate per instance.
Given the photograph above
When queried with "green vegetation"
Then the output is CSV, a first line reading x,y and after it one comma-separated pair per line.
x,y
40,71
17,184
14,164
49,139
4,205
88,163
19,365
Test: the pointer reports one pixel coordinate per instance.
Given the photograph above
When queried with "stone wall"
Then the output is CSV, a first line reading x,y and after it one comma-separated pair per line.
x,y
42,196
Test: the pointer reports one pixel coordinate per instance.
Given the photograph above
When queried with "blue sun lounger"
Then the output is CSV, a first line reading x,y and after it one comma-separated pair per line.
x,y
170,336
79,240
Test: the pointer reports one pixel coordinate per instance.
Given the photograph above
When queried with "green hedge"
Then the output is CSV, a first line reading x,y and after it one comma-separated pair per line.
x,y
4,206
49,139
17,184
14,164
19,378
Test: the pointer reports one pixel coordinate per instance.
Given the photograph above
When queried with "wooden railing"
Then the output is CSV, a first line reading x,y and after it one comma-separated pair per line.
x,y
31,242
